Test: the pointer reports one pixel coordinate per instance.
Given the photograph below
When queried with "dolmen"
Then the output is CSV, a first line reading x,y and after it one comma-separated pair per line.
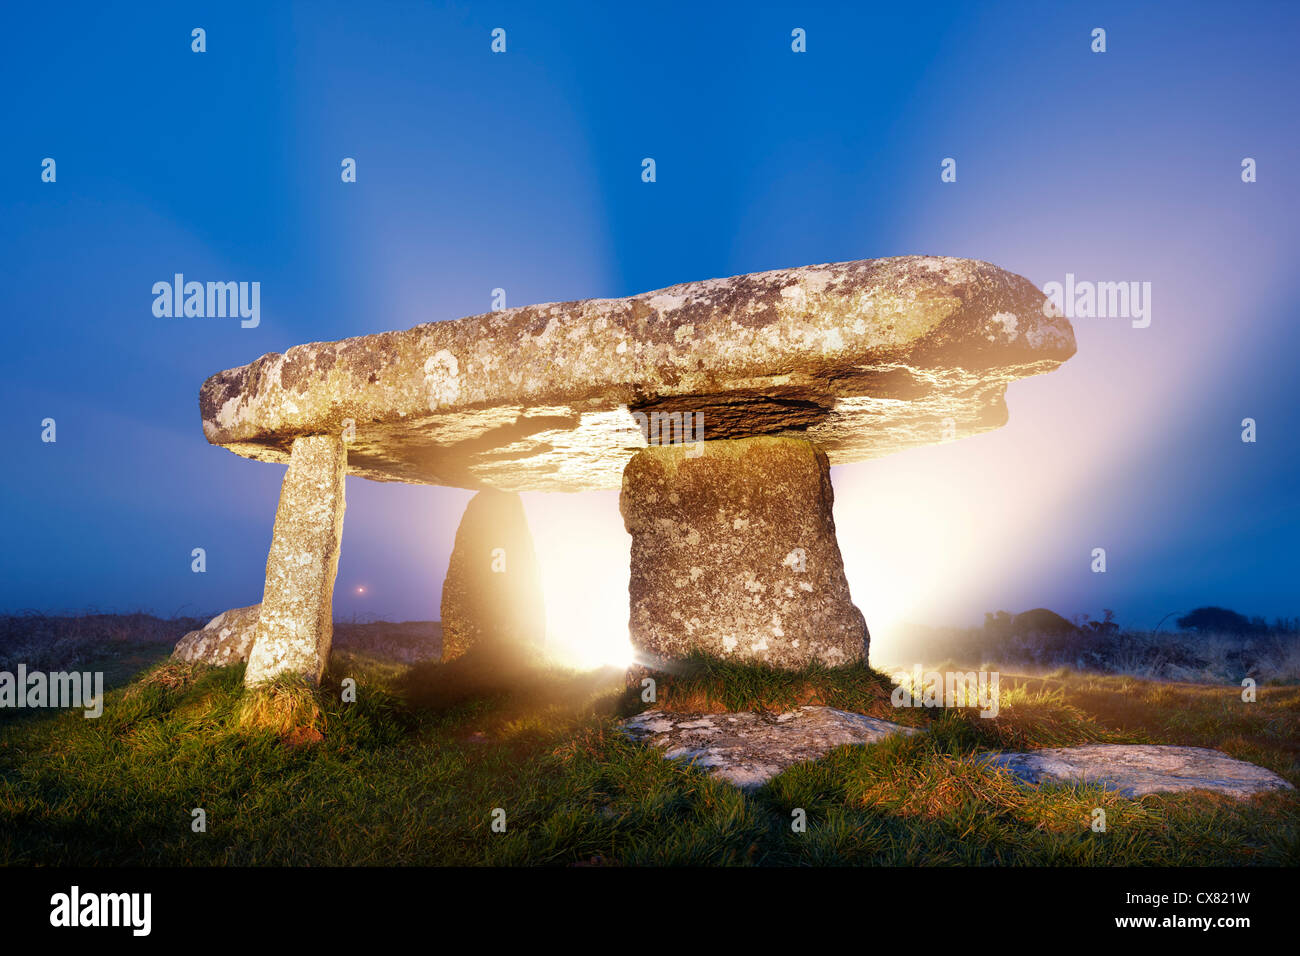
x,y
717,407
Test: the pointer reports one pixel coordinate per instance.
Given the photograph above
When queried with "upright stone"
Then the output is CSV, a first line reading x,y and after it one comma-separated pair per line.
x,y
296,625
492,595
734,554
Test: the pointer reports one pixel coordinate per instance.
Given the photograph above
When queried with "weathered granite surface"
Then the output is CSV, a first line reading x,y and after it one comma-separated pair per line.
x,y
734,554
223,641
295,625
492,594
749,748
864,358
1138,769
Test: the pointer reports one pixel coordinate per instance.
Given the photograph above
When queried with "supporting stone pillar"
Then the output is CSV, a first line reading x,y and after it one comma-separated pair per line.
x,y
734,554
492,595
296,624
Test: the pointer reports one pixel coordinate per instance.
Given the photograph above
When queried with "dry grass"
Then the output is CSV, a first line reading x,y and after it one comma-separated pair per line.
x,y
286,707
169,676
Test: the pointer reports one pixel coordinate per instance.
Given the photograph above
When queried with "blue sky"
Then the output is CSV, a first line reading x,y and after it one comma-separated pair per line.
x,y
522,171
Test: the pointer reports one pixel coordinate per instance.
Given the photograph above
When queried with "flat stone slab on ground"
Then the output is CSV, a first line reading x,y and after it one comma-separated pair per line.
x,y
1138,769
749,748
862,358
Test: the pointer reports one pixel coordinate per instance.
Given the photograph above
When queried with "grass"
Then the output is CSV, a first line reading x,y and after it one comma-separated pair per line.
x,y
412,771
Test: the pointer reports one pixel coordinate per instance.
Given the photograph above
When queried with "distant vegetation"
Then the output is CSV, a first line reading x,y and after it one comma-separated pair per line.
x,y
1220,620
118,644
1205,644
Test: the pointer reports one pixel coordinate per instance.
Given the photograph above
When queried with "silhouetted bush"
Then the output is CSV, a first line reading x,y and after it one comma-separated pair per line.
x,y
1220,620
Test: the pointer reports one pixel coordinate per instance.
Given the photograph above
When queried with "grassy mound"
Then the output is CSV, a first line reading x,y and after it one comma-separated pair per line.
x,y
412,770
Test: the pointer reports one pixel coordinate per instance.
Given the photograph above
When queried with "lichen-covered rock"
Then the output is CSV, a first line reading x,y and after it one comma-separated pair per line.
x,y
1138,769
863,358
223,641
492,595
734,555
295,625
749,748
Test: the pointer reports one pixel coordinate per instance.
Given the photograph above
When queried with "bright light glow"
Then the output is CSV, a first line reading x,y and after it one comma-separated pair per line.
x,y
934,536
583,554
922,538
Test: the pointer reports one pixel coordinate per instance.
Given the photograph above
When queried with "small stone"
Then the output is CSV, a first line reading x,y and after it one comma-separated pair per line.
x,y
492,595
223,641
1138,769
713,537
753,746
295,627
